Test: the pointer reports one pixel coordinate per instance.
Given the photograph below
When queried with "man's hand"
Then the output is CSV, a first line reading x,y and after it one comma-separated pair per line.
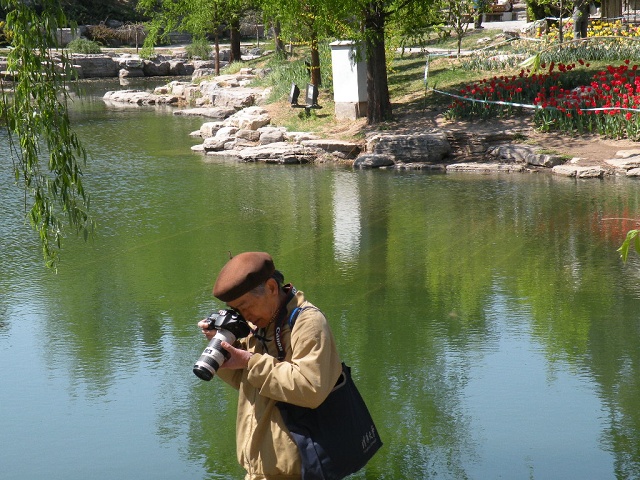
x,y
238,359
203,325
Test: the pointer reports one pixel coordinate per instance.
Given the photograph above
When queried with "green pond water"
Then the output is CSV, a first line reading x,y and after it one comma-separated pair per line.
x,y
489,322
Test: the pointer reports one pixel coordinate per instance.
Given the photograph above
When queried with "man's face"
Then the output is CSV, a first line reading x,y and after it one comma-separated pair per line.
x,y
258,309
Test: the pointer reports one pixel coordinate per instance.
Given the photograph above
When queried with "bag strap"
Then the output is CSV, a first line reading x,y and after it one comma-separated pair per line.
x,y
294,315
278,331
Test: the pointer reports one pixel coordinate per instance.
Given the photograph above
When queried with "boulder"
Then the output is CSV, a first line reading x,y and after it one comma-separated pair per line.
x,y
237,98
373,160
133,72
299,136
219,113
248,135
209,129
623,165
153,69
139,97
545,160
271,135
344,149
96,65
282,153
525,154
251,118
634,152
485,167
427,147
129,62
578,172
180,68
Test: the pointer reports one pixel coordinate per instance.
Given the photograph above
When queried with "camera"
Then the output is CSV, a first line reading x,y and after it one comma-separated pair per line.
x,y
229,325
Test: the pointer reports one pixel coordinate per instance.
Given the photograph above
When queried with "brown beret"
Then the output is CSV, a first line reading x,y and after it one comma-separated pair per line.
x,y
242,274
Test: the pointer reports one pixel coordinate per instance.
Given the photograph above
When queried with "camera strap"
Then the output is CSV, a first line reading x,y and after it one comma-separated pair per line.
x,y
292,320
291,292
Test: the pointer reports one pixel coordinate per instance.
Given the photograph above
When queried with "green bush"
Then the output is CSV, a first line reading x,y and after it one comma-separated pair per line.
x,y
284,72
103,35
82,45
199,48
5,35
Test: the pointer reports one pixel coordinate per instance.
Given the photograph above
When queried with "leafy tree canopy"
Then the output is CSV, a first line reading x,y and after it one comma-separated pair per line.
x,y
47,155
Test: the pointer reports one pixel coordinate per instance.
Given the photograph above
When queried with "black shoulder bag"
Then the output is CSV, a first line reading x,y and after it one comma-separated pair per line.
x,y
337,438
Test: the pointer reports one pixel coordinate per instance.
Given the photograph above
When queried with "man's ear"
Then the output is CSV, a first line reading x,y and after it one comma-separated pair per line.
x,y
272,286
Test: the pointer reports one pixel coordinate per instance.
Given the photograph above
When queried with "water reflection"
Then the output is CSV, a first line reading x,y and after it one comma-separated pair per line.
x,y
346,217
489,321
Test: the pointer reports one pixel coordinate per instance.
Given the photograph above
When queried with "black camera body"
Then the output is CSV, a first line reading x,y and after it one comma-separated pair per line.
x,y
229,326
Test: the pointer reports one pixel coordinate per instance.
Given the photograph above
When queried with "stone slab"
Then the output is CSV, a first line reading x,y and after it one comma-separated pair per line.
x,y
578,172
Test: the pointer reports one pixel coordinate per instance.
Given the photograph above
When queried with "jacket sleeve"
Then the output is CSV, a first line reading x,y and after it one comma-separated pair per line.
x,y
232,377
311,372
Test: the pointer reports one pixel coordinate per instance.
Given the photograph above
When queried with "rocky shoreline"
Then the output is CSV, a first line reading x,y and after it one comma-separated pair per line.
x,y
238,128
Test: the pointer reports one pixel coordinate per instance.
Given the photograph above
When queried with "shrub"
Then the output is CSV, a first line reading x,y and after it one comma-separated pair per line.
x,y
82,45
103,35
5,35
199,48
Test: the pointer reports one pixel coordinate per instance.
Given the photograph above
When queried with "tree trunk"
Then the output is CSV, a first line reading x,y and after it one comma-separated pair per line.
x,y
315,61
280,50
217,50
378,102
234,28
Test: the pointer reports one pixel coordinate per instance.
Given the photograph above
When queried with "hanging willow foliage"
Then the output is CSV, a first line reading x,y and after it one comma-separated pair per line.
x,y
47,155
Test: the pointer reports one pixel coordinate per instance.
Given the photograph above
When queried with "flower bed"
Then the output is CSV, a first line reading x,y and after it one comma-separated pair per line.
x,y
608,104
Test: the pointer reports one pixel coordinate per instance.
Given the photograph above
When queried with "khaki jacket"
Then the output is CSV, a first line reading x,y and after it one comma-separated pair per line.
x,y
305,377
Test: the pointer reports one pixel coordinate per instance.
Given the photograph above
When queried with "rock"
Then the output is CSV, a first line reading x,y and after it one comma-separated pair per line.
x,y
624,164
578,172
485,167
251,118
512,153
373,160
202,72
223,137
226,132
129,62
179,68
282,153
525,154
344,148
209,129
270,135
213,144
427,147
633,172
545,160
139,97
248,135
210,112
153,69
300,136
628,153
237,98
133,72
200,64
96,65
220,140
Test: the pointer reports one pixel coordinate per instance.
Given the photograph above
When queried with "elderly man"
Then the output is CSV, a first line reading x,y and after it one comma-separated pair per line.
x,y
274,363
